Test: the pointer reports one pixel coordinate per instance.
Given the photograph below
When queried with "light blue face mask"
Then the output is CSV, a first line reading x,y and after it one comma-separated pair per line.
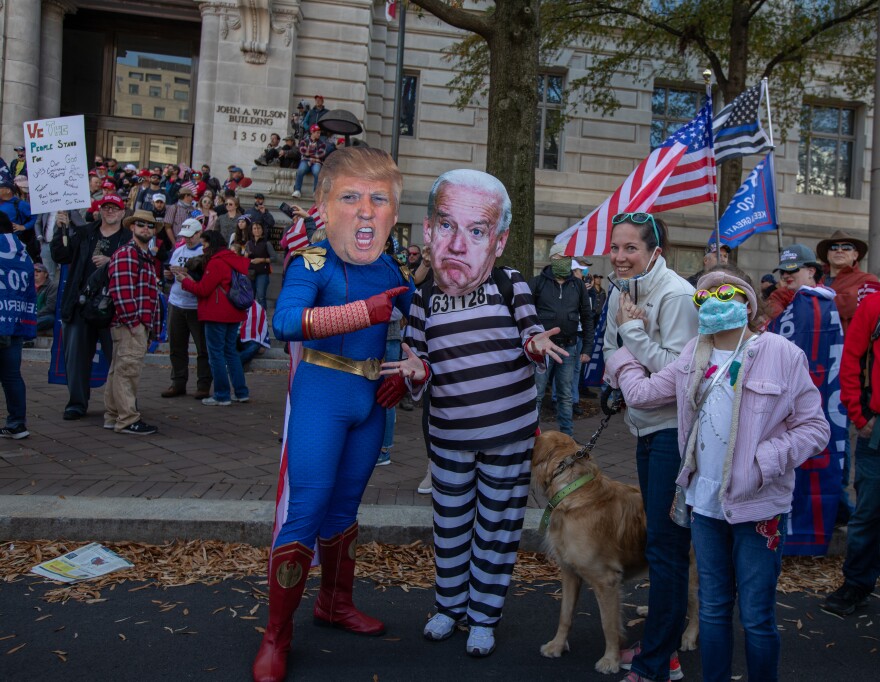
x,y
719,316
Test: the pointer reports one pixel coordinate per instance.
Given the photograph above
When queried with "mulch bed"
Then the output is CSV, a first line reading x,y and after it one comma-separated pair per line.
x,y
408,567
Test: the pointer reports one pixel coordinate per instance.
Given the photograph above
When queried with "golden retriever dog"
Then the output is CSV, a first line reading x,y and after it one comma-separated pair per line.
x,y
596,534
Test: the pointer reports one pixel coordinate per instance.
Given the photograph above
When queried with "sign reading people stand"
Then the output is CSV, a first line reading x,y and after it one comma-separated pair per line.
x,y
58,171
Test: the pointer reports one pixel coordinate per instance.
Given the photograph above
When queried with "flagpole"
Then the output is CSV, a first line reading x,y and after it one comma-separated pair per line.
x,y
395,116
707,78
766,87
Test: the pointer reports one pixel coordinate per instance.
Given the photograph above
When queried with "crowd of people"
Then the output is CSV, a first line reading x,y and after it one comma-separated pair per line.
x,y
737,396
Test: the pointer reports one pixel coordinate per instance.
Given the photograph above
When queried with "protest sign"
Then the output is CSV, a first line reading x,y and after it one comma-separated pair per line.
x,y
58,171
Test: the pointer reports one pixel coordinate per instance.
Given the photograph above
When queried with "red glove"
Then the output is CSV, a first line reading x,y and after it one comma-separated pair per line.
x,y
391,391
379,306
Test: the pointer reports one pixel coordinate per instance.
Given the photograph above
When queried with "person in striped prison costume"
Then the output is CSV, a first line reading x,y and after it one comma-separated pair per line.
x,y
475,336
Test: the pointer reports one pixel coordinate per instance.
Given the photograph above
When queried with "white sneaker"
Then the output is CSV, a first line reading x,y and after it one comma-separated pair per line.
x,y
440,627
481,641
296,194
425,487
212,402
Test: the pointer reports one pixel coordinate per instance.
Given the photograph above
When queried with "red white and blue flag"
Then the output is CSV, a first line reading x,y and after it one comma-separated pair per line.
x,y
680,172
812,323
255,326
390,10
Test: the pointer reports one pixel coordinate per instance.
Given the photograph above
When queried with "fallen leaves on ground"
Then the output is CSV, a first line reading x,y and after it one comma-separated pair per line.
x,y
411,566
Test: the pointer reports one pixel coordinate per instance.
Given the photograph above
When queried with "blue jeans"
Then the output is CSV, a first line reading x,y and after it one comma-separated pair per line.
x,y
249,352
13,384
261,285
392,353
731,559
862,564
305,167
667,552
220,338
562,374
576,373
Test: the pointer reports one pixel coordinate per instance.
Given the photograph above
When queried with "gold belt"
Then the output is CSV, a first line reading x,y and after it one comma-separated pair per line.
x,y
369,368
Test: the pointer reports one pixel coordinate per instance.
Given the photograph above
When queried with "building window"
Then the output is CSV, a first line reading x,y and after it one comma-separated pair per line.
x,y
671,108
159,113
549,121
825,152
409,85
402,232
136,109
158,62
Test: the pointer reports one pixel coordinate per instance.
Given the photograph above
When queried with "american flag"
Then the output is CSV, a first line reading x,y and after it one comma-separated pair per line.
x,y
680,172
390,10
296,237
255,326
736,128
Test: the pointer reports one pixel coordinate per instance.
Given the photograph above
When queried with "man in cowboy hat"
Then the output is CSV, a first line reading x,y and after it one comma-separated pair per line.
x,y
134,288
842,253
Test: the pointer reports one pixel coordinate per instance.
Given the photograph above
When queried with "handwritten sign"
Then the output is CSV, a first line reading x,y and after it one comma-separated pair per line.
x,y
57,163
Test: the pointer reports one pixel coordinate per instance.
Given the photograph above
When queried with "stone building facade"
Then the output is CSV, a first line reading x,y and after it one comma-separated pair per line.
x,y
207,81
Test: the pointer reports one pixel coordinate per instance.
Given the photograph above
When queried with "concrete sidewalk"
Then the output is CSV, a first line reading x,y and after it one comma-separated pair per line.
x,y
78,480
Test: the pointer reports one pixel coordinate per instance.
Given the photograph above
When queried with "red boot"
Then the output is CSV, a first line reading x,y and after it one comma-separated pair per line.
x,y
333,606
288,571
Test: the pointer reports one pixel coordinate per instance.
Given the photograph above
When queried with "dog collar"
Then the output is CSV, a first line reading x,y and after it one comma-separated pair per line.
x,y
561,495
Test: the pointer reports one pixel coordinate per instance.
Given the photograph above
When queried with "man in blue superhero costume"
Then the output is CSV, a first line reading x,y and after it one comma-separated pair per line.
x,y
336,299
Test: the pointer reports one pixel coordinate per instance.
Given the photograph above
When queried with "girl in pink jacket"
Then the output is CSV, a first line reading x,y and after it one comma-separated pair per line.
x,y
748,415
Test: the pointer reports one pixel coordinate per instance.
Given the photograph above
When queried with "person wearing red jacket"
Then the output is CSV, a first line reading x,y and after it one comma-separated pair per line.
x,y
221,318
861,348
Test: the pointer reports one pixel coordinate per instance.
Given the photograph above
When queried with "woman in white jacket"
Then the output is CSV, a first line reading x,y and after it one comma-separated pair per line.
x,y
651,313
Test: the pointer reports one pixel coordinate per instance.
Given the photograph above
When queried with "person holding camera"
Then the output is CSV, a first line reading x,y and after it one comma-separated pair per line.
x,y
183,319
85,249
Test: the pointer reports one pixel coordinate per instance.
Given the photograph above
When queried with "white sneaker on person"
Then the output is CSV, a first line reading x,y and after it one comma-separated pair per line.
x,y
440,627
426,486
481,641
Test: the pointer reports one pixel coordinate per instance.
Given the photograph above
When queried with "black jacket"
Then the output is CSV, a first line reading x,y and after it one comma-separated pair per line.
x,y
77,255
564,305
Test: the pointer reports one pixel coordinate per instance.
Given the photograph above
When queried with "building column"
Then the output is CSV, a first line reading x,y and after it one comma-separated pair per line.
x,y
21,72
51,41
203,118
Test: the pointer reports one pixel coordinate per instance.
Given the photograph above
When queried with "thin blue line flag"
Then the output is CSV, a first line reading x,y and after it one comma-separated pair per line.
x,y
753,207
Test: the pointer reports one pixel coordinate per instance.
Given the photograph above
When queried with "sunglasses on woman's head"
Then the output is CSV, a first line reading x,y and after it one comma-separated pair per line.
x,y
725,292
637,219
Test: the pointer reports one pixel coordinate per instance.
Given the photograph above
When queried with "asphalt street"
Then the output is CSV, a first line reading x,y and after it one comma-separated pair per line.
x,y
201,632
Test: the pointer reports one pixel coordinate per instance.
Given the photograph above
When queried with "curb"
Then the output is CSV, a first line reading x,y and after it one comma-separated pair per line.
x,y
116,519
156,521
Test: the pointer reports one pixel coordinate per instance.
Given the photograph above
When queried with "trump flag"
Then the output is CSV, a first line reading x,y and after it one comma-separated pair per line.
x,y
753,207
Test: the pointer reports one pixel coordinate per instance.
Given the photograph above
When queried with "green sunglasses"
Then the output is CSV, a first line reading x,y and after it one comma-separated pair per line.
x,y
638,219
725,292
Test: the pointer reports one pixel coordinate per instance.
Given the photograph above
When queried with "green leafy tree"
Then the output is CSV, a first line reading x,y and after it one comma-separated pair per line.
x,y
799,45
508,33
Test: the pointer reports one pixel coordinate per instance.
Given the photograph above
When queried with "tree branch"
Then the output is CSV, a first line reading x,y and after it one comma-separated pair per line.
x,y
459,18
698,39
791,53
756,7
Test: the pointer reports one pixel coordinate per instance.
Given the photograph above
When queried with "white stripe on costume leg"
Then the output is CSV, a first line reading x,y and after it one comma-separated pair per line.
x,y
282,497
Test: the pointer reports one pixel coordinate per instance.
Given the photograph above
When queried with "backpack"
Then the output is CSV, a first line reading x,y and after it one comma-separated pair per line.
x,y
241,292
97,304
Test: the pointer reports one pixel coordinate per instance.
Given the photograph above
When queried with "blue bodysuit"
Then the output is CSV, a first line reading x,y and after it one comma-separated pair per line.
x,y
334,425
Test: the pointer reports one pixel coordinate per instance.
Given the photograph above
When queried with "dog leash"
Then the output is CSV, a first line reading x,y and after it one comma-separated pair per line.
x,y
578,482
